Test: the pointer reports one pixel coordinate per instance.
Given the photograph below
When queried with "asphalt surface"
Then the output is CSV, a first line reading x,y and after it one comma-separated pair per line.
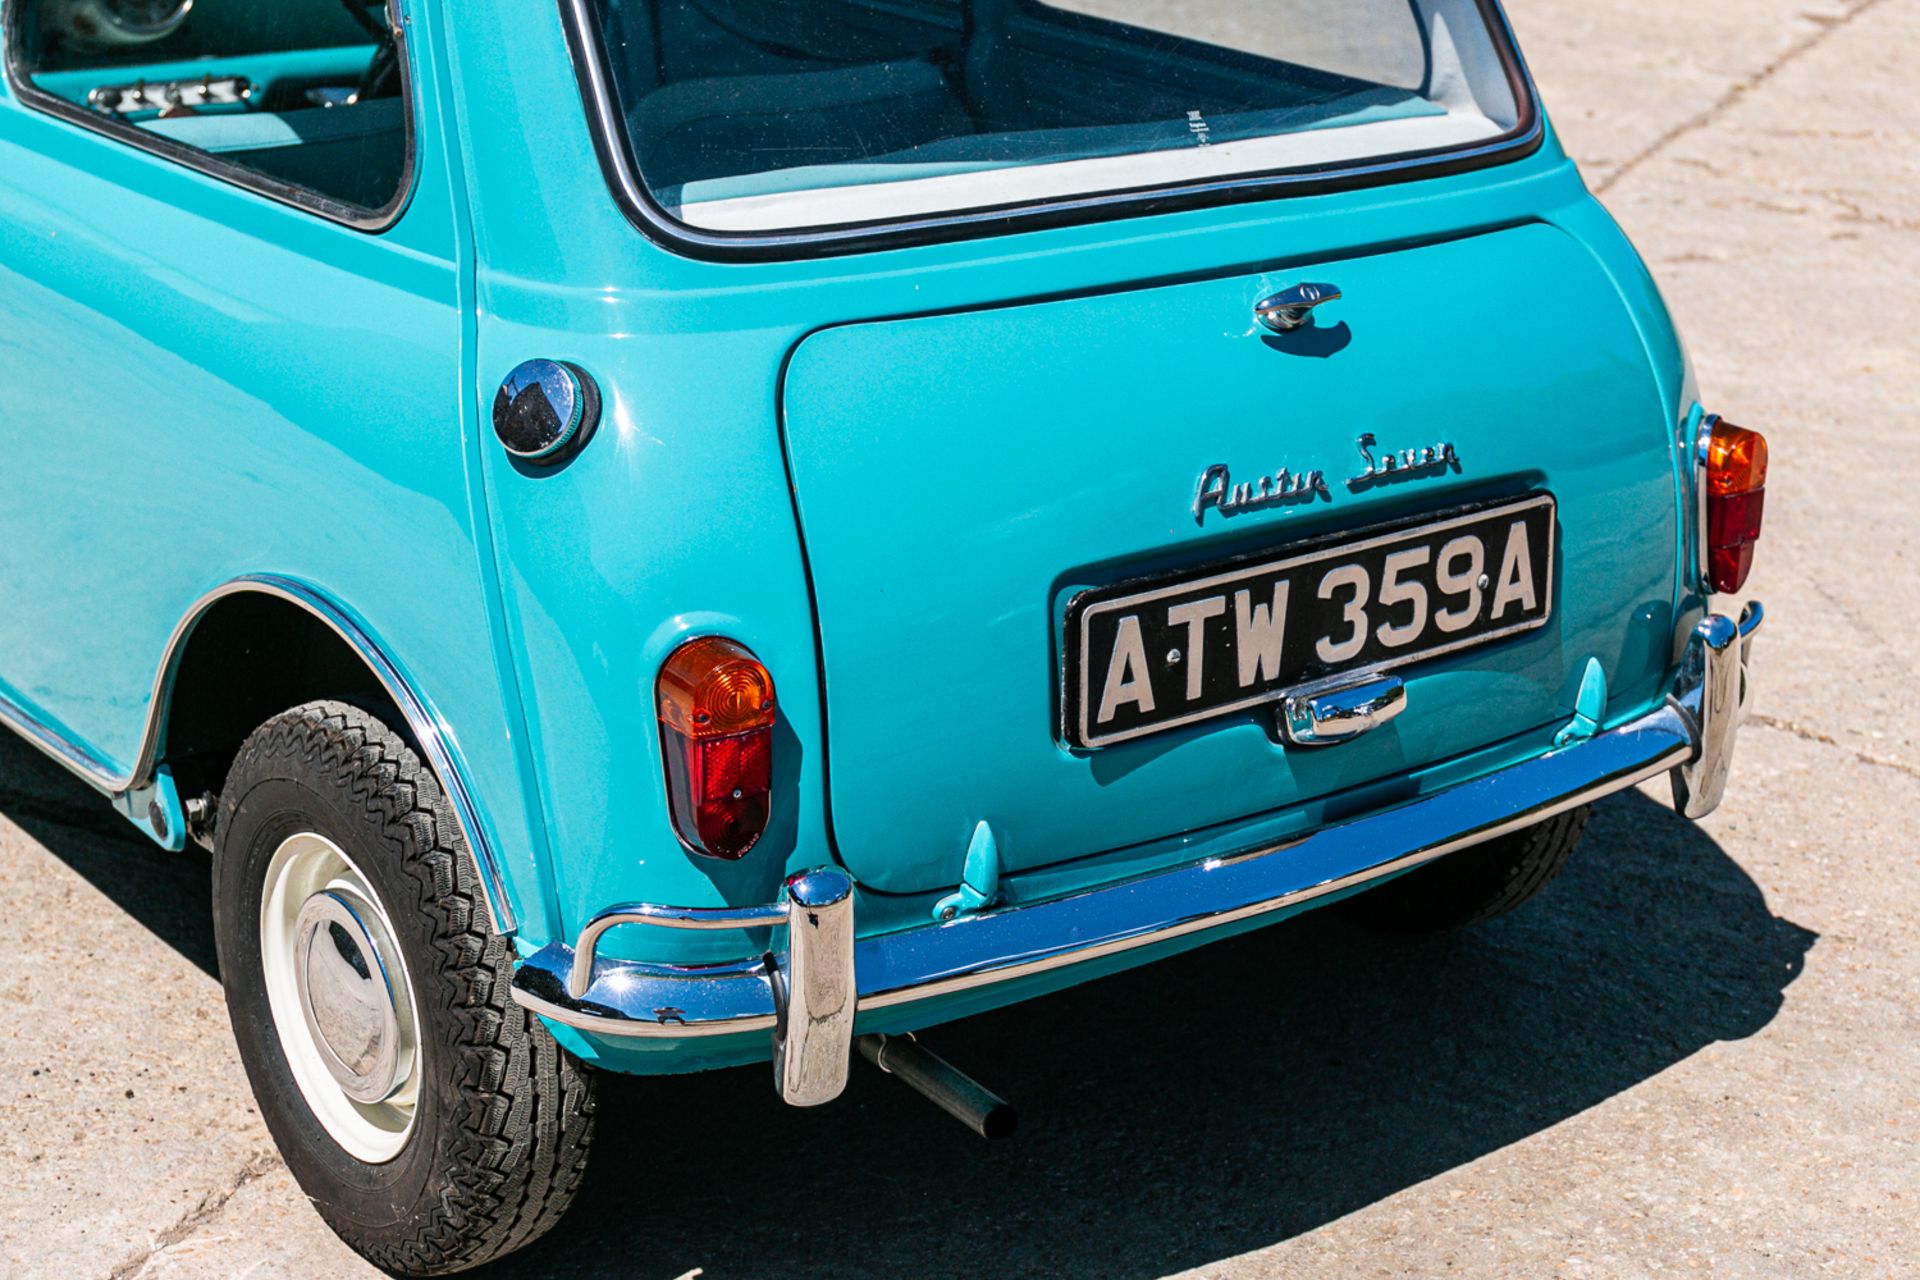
x,y
1697,1053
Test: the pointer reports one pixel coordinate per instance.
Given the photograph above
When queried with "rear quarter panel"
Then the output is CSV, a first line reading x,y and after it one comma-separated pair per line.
x,y
201,384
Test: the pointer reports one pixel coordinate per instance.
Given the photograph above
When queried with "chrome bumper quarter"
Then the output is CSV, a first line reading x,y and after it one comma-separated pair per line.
x,y
1715,689
807,993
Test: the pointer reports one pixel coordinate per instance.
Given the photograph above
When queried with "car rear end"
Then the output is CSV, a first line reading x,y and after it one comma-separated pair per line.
x,y
1232,462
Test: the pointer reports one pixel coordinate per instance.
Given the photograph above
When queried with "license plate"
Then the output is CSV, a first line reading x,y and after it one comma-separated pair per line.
x,y
1151,655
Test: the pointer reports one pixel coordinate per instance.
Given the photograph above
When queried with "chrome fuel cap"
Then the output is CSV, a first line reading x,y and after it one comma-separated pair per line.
x,y
342,962
545,410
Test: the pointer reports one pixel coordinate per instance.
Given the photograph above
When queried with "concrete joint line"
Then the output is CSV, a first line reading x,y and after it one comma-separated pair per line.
x,y
1826,27
1828,740
210,1205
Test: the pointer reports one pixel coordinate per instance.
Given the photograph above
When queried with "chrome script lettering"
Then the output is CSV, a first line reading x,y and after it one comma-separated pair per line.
x,y
1218,491
1403,463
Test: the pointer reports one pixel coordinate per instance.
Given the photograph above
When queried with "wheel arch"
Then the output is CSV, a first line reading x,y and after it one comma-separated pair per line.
x,y
260,644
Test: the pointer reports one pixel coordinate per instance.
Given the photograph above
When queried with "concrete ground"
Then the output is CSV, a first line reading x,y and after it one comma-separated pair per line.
x,y
1697,1053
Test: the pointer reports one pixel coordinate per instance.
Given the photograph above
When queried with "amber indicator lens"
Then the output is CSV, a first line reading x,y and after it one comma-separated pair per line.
x,y
717,711
1736,483
711,687
1736,460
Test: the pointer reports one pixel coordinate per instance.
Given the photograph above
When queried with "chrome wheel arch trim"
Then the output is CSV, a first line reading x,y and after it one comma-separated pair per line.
x,y
430,731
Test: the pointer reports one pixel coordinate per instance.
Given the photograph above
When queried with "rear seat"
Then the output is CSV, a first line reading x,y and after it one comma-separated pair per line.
x,y
701,129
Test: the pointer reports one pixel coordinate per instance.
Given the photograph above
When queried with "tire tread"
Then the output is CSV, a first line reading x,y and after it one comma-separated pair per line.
x,y
1476,884
517,1152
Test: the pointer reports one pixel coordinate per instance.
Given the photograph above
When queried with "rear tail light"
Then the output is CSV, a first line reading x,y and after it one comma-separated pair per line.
x,y
717,713
1733,475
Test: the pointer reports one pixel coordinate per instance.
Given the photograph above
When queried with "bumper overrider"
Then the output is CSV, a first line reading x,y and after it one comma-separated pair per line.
x,y
808,995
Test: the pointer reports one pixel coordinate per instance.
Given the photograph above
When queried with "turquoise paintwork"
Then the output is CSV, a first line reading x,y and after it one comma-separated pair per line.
x,y
1589,706
979,877
1113,405
202,383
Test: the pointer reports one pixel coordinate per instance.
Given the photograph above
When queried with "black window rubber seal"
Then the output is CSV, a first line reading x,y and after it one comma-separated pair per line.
x,y
360,219
613,147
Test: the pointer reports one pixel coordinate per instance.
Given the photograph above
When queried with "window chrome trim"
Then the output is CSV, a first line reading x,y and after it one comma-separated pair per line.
x,y
429,729
613,147
33,96
1699,455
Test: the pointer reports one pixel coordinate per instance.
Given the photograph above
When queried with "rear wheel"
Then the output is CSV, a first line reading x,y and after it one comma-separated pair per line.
x,y
1474,884
432,1121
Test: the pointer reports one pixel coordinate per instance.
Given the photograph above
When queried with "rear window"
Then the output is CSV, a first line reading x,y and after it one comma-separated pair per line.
x,y
785,115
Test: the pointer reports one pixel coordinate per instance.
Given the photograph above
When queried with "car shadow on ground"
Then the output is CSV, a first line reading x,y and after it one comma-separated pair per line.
x,y
1215,1103
170,894
1194,1110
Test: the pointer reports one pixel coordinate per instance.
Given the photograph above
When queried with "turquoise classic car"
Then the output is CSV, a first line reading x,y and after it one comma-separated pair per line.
x,y
651,535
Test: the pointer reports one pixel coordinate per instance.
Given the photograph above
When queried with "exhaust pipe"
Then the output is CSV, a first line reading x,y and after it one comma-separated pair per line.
x,y
942,1083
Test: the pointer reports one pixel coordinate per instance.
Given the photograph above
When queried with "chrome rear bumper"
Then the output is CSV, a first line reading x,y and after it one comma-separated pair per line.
x,y
809,994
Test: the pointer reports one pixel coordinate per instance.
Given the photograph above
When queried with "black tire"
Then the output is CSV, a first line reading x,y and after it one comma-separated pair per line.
x,y
504,1117
1475,884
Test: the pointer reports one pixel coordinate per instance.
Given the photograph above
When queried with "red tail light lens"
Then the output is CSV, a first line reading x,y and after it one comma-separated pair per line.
x,y
717,712
1734,475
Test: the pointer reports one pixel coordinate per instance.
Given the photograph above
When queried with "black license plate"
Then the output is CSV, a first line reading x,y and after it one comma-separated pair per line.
x,y
1150,655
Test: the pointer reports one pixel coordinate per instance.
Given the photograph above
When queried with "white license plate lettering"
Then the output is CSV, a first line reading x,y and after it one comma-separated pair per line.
x,y
1352,580
1127,680
1143,657
1516,573
1458,572
1258,632
1193,616
1396,590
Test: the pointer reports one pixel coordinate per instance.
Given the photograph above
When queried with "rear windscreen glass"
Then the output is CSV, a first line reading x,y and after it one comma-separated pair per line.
x,y
774,115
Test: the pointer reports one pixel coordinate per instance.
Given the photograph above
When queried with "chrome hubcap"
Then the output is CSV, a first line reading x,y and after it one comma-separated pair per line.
x,y
340,996
342,957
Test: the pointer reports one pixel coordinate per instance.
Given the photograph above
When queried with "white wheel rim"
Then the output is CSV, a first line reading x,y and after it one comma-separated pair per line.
x,y
341,998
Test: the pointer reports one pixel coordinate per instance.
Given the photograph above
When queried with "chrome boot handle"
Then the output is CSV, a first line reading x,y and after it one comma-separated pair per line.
x,y
1291,308
1340,709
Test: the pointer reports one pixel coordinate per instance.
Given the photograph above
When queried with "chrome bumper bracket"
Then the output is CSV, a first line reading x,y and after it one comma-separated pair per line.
x,y
814,992
1715,689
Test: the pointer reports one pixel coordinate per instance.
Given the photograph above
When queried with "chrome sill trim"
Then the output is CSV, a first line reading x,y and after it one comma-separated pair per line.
x,y
1024,940
82,763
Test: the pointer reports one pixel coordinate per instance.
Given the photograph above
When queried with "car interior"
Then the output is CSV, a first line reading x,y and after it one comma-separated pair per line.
x,y
304,92
757,114
728,99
